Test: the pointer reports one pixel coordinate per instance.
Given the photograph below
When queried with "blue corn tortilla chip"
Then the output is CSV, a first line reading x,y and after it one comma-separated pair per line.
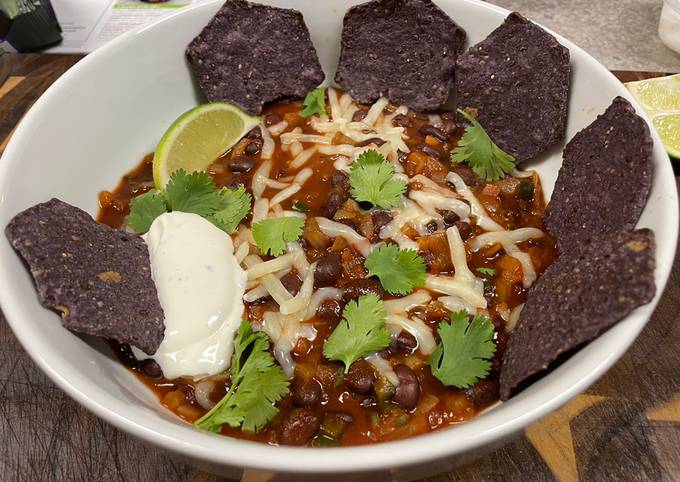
x,y
517,81
578,297
605,179
404,50
99,278
251,54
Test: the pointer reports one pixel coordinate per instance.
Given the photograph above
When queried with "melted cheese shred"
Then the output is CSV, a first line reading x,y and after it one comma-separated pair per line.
x,y
464,284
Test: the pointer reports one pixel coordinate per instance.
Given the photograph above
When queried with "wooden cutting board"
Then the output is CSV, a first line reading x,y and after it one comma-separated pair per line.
x,y
625,427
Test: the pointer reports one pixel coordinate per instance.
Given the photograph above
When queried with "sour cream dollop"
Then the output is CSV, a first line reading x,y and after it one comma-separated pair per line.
x,y
200,288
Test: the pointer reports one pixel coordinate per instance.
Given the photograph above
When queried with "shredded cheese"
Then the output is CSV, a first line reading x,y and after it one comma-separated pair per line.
x,y
383,367
333,229
418,329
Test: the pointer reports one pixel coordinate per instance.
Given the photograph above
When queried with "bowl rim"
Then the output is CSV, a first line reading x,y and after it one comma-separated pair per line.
x,y
491,426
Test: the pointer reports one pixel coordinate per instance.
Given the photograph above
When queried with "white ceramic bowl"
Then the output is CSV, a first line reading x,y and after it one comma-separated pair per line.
x,y
99,119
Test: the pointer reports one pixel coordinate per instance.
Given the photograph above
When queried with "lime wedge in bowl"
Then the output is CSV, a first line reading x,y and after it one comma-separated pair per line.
x,y
198,137
660,97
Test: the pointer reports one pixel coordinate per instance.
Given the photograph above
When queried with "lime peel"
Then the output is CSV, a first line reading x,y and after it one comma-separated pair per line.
x,y
198,137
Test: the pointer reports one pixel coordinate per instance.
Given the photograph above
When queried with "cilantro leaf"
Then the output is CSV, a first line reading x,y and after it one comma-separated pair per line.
x,y
371,179
192,193
235,205
314,103
466,347
360,332
487,271
400,270
144,209
486,159
271,235
257,383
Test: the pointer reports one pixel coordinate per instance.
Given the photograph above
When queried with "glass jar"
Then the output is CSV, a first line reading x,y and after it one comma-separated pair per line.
x,y
669,24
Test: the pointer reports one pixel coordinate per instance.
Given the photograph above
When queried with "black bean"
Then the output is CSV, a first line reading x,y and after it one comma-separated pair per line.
x,y
406,342
359,115
254,147
465,229
298,426
126,356
380,220
271,119
449,127
401,120
151,368
241,164
255,133
333,203
373,140
328,270
431,226
468,175
292,283
307,393
450,218
448,115
329,310
482,393
239,179
365,205
189,394
429,150
408,391
339,179
430,130
360,378
359,287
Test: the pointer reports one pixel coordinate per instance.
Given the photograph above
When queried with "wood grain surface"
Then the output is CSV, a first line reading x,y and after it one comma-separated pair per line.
x,y
625,427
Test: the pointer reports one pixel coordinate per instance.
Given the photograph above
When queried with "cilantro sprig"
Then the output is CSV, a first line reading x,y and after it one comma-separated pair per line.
x,y
360,332
191,193
257,383
466,347
476,148
400,271
371,178
314,103
272,235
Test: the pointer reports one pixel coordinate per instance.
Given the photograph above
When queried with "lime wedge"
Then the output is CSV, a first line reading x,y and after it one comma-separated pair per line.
x,y
660,97
198,137
668,126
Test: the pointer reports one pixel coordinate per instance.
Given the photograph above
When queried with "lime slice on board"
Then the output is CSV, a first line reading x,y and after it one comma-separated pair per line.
x,y
660,97
198,137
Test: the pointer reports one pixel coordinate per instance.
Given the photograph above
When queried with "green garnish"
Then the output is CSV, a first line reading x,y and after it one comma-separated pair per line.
x,y
272,235
487,271
300,207
144,209
360,332
257,383
314,103
234,207
526,190
476,148
191,193
400,270
466,347
371,179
